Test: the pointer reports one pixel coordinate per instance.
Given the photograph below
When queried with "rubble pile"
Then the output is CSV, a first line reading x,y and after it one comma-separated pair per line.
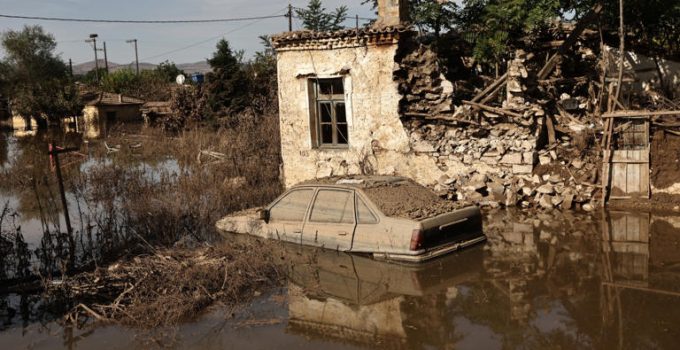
x,y
532,147
421,82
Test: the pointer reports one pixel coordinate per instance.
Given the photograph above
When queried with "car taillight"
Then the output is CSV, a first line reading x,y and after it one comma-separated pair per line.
x,y
416,239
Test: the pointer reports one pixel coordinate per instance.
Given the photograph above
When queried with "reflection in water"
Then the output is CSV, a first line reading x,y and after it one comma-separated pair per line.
x,y
4,150
358,300
30,190
564,282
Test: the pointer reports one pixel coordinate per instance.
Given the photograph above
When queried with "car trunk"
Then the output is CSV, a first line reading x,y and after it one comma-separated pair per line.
x,y
461,225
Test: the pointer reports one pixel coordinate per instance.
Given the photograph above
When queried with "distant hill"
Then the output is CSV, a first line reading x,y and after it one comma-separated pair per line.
x,y
189,68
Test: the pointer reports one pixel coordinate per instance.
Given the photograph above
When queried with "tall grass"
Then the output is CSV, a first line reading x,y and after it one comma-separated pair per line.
x,y
217,172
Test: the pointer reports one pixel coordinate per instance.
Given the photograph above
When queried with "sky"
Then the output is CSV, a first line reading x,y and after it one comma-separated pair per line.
x,y
159,42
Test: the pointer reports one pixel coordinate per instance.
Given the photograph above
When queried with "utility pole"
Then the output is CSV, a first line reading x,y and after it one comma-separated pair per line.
x,y
290,17
106,59
70,67
93,40
136,53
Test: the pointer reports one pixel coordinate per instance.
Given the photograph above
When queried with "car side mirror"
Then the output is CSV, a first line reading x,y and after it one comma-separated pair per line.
x,y
264,215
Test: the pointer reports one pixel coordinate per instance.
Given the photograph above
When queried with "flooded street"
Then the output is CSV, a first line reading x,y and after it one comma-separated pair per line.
x,y
542,280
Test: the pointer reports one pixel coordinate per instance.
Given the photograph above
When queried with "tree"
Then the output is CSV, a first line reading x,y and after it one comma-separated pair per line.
x,y
496,23
36,79
168,71
227,84
433,15
263,80
316,18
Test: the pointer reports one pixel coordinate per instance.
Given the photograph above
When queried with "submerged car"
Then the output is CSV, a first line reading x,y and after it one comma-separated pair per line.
x,y
387,217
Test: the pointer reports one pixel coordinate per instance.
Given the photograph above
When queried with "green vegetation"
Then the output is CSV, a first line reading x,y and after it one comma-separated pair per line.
x,y
492,26
315,17
233,92
34,77
149,85
227,84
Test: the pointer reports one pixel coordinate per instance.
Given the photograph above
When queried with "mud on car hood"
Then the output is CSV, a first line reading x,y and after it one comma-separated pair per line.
x,y
246,221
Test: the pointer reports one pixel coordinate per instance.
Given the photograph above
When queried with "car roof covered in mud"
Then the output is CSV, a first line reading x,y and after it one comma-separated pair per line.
x,y
395,196
359,181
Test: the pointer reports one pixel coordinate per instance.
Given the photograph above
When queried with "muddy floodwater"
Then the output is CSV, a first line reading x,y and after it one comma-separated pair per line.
x,y
609,280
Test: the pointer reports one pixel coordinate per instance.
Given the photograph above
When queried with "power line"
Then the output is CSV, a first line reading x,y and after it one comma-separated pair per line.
x,y
218,20
212,38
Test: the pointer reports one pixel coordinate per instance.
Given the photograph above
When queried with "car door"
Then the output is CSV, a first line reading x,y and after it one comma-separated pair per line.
x,y
370,234
331,220
287,214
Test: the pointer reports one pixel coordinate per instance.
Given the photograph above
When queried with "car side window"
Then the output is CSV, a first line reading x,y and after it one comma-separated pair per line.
x,y
293,206
333,206
364,215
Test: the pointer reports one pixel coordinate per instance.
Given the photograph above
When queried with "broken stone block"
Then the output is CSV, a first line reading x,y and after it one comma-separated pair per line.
x,y
546,202
528,145
527,191
475,196
497,191
522,169
510,198
557,200
546,189
588,207
489,160
577,163
544,159
431,97
554,178
512,158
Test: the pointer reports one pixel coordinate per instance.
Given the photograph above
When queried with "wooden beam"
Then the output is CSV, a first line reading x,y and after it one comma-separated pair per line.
x,y
493,86
642,289
640,114
494,109
549,66
427,116
551,130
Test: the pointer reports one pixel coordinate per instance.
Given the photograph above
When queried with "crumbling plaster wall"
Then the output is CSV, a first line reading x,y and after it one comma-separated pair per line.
x,y
378,142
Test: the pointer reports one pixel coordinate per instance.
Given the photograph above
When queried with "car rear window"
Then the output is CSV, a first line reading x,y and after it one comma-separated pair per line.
x,y
364,215
407,199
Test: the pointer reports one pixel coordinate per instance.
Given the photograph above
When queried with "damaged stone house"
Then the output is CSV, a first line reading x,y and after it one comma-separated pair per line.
x,y
373,100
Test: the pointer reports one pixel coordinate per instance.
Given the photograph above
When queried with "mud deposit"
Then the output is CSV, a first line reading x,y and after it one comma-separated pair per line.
x,y
558,280
409,200
665,159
